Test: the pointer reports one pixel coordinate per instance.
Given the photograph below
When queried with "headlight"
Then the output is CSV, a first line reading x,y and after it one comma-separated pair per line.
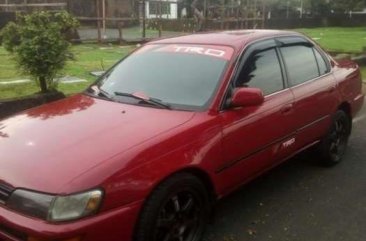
x,y
75,206
55,208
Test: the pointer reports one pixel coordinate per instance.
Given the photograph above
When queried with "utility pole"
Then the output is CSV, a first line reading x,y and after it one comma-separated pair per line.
x,y
205,8
98,21
288,9
301,8
142,17
26,6
104,19
144,20
263,14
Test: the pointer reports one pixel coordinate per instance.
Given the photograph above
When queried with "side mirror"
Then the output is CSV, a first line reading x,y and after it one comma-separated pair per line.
x,y
245,97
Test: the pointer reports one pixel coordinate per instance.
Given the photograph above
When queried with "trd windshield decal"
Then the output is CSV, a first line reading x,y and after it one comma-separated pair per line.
x,y
222,52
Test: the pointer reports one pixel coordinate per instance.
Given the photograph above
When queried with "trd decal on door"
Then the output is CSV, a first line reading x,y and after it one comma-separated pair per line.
x,y
289,143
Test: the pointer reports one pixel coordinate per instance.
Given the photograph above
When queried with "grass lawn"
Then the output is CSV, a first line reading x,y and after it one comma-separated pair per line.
x,y
91,57
88,58
345,40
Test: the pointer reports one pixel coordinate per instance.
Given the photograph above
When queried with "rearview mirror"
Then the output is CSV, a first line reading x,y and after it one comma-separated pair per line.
x,y
245,97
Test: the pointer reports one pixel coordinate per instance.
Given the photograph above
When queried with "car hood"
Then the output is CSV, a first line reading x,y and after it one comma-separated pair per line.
x,y
47,147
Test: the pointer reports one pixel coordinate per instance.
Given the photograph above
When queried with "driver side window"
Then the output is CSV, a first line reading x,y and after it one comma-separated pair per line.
x,y
262,70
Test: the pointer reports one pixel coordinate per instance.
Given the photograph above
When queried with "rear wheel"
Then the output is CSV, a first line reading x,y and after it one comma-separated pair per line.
x,y
177,210
334,144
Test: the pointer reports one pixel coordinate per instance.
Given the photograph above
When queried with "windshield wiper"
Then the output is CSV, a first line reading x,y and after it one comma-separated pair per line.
x,y
100,92
105,94
146,99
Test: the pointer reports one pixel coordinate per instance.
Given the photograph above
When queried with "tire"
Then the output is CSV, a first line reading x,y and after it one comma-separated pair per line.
x,y
177,210
334,144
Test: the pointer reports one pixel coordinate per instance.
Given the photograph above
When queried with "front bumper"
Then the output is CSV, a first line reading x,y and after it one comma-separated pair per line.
x,y
113,225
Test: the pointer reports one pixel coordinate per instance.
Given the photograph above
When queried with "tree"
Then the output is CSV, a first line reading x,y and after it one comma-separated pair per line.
x,y
347,5
319,7
39,44
286,8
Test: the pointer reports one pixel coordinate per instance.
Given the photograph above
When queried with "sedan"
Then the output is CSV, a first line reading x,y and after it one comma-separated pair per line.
x,y
145,152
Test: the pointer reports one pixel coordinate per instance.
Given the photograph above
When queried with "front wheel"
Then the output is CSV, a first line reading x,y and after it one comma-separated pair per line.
x,y
334,144
177,210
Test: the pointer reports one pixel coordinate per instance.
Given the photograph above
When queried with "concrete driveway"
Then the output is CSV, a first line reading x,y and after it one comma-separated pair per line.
x,y
300,201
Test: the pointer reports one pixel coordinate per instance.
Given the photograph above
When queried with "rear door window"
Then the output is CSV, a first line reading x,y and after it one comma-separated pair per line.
x,y
301,63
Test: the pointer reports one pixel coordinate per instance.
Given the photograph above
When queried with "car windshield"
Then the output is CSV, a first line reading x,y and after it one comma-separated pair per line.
x,y
181,76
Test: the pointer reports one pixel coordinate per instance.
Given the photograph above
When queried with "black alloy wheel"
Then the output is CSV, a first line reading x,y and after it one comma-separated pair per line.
x,y
334,145
177,210
179,218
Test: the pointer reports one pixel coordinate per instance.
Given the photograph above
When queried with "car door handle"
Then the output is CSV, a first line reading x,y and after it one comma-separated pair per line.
x,y
287,109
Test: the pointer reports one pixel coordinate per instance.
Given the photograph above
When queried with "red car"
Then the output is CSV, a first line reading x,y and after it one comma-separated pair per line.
x,y
145,152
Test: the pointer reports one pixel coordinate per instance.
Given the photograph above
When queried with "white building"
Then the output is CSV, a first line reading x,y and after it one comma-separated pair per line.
x,y
166,9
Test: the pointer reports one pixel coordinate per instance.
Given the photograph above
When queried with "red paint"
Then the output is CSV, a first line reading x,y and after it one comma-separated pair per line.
x,y
245,97
82,142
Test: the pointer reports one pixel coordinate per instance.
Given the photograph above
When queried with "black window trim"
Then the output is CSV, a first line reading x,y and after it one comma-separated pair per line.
x,y
324,57
316,60
304,40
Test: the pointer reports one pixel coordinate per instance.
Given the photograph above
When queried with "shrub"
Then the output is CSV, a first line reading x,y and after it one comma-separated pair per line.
x,y
39,44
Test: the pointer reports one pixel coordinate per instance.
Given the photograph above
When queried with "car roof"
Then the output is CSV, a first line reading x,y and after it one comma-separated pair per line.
x,y
235,39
